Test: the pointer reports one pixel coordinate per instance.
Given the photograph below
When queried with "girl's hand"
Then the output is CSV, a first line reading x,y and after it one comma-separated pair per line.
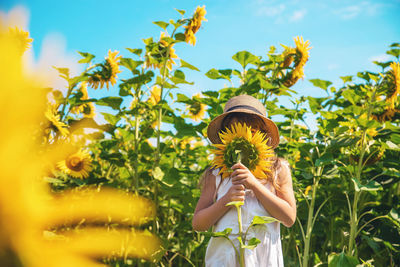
x,y
242,175
235,193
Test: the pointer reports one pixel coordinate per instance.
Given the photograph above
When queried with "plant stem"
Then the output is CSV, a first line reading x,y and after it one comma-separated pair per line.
x,y
354,214
241,251
310,219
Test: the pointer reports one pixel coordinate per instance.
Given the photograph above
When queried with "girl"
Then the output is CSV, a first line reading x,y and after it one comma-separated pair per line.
x,y
262,197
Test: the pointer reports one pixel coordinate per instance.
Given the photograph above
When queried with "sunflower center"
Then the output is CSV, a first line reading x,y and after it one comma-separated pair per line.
x,y
249,153
75,163
195,108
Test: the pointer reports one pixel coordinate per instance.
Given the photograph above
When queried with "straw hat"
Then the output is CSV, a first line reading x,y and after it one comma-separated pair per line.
x,y
244,104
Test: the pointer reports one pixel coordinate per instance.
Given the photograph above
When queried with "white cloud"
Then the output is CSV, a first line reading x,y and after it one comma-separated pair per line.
x,y
332,66
363,8
298,15
16,17
53,53
271,11
380,58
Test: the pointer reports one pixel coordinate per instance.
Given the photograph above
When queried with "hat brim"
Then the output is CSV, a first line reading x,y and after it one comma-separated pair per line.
x,y
214,128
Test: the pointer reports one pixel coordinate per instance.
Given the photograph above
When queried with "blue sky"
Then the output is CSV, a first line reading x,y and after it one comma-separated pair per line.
x,y
345,35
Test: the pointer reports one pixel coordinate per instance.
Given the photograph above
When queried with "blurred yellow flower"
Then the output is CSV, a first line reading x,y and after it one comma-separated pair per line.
x,y
155,95
77,165
107,74
308,188
372,132
22,40
194,25
197,109
395,87
300,59
29,210
54,122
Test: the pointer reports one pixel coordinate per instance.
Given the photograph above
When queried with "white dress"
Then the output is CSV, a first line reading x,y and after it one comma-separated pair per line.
x,y
268,253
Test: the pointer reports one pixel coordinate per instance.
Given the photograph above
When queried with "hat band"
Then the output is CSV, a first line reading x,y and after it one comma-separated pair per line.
x,y
246,107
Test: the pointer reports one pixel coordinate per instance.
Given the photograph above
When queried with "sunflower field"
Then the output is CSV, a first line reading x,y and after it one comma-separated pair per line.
x,y
121,192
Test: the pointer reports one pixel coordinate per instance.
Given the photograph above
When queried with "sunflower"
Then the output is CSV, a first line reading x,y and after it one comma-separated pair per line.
x,y
54,121
300,59
387,115
89,110
395,88
197,109
77,165
158,52
155,95
107,72
288,56
194,25
21,38
253,149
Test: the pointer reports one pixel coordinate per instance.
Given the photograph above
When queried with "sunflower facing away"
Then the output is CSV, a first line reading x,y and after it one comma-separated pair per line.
x,y
194,25
77,165
395,88
79,109
300,59
253,149
197,109
54,121
107,72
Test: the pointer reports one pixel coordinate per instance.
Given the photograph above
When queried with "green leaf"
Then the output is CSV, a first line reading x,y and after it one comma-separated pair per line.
x,y
112,119
182,12
182,98
342,260
257,220
86,57
180,37
324,159
148,41
252,243
394,52
213,74
244,58
235,203
64,72
161,24
157,173
184,64
224,233
136,51
315,103
130,63
351,96
346,79
321,83
111,101
371,186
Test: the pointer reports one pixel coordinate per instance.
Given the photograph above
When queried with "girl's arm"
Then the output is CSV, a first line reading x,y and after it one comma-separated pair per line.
x,y
281,206
207,212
